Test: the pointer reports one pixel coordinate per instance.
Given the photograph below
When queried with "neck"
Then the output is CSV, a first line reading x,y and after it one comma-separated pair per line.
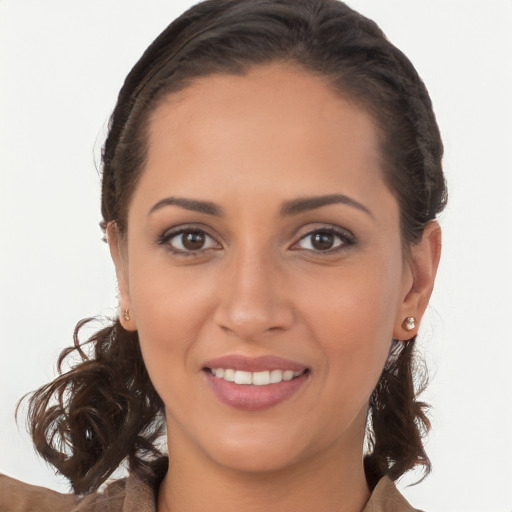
x,y
326,484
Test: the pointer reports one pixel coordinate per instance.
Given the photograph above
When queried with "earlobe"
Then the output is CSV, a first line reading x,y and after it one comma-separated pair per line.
x,y
117,252
423,262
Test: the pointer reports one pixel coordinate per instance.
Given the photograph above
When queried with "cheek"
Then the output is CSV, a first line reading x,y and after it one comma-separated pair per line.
x,y
351,317
357,306
168,298
170,308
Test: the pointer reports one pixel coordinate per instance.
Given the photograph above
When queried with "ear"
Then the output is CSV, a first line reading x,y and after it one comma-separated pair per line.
x,y
423,262
120,259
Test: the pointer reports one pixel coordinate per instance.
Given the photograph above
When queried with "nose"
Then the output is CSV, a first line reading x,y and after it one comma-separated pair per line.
x,y
253,298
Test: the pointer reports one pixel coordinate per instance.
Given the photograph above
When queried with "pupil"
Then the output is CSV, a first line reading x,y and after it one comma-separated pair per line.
x,y
193,241
323,241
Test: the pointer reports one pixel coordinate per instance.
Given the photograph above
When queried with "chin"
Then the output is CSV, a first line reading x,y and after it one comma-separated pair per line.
x,y
251,458
255,449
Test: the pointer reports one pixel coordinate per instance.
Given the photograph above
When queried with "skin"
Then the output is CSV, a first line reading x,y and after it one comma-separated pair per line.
x,y
251,144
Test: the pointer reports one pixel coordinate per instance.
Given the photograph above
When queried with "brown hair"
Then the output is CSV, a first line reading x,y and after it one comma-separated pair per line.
x,y
105,410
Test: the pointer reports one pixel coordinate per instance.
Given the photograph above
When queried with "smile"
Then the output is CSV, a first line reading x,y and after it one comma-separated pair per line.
x,y
255,384
262,378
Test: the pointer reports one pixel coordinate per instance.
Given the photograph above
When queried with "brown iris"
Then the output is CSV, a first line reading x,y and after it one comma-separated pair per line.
x,y
322,240
193,240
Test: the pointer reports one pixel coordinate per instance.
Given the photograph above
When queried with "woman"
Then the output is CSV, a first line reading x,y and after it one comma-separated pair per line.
x,y
271,180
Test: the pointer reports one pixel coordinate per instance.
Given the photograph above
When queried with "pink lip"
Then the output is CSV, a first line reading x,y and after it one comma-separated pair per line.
x,y
256,364
250,397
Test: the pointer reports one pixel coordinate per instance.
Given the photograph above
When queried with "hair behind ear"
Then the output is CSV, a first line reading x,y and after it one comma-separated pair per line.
x,y
397,421
101,412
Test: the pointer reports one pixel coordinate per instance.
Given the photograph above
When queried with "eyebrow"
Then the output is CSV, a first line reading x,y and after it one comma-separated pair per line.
x,y
305,204
194,205
292,207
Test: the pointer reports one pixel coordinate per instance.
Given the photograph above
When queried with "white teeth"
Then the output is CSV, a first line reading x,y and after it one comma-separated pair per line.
x,y
261,378
276,376
243,377
256,378
229,375
288,375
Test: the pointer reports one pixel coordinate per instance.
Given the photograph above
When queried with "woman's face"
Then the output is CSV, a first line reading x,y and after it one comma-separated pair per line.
x,y
263,246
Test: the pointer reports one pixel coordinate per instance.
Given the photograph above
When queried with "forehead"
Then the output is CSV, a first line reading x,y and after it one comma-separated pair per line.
x,y
275,98
263,138
273,115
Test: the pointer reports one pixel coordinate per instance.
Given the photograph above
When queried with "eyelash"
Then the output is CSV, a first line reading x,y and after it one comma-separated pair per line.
x,y
167,236
345,237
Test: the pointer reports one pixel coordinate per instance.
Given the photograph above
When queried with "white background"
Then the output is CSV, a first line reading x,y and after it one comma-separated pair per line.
x,y
61,65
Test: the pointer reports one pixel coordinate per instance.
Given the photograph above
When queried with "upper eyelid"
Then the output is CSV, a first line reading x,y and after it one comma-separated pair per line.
x,y
347,237
180,228
172,232
306,231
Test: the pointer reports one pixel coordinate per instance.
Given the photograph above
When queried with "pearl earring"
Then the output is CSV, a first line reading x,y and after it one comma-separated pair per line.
x,y
126,315
409,323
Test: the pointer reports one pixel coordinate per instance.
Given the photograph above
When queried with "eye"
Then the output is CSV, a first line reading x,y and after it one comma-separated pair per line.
x,y
188,240
325,240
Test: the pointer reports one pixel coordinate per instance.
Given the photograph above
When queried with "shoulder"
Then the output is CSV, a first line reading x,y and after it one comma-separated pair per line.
x,y
387,498
16,496
136,493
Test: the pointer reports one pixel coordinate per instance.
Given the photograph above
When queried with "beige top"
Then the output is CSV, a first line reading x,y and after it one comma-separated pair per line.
x,y
133,495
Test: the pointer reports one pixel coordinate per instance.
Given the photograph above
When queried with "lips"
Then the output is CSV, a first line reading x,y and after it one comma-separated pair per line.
x,y
254,383
254,364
